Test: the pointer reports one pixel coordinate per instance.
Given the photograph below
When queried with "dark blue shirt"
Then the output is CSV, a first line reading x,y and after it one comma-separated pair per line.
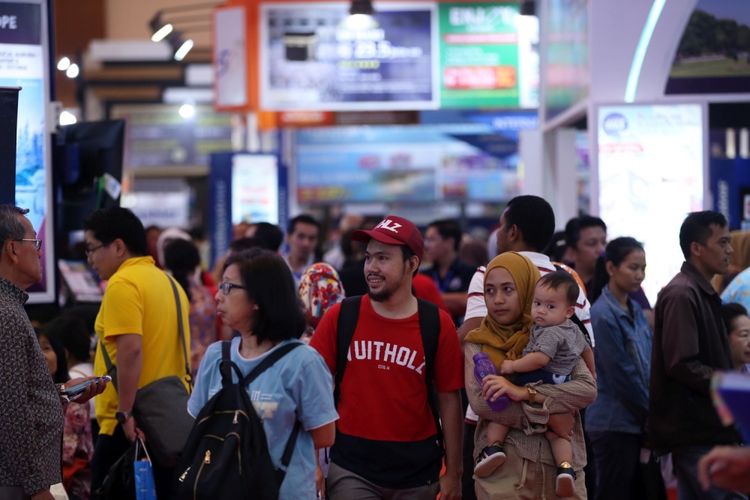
x,y
623,366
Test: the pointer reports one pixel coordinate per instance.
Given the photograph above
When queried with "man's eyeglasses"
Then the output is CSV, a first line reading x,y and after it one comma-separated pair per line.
x,y
225,287
37,242
90,250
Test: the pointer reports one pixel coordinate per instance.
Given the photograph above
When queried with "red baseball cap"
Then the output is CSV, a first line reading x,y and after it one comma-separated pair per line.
x,y
394,230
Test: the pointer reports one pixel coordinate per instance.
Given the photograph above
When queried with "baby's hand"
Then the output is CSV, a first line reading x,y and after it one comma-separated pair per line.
x,y
506,368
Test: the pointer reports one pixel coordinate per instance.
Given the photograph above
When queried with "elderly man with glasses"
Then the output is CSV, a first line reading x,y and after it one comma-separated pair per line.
x,y
31,407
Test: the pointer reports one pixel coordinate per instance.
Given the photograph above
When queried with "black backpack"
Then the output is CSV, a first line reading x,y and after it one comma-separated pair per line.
x,y
226,455
429,327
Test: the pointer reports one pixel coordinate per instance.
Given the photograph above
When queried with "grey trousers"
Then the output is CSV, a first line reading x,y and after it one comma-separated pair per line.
x,y
346,485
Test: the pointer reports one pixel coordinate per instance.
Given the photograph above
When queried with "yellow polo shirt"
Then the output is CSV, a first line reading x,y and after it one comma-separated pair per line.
x,y
139,300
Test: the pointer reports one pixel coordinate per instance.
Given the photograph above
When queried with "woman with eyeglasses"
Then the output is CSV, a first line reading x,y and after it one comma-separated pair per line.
x,y
258,299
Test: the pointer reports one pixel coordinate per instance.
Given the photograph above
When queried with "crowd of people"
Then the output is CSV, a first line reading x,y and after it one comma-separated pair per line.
x,y
389,362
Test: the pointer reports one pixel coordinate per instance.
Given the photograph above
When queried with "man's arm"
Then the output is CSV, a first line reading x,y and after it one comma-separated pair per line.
x,y
452,421
680,347
129,364
455,302
476,309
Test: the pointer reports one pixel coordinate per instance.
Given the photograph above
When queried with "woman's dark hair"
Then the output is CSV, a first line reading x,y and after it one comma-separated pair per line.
x,y
61,375
71,331
730,312
615,252
269,283
181,258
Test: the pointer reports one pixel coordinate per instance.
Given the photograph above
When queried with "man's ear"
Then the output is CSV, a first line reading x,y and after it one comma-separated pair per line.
x,y
413,263
513,233
9,249
695,249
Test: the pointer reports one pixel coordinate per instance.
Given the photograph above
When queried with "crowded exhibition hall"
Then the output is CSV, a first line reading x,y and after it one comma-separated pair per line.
x,y
374,249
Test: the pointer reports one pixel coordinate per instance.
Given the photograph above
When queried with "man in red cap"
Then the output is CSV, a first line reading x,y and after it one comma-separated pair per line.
x,y
387,443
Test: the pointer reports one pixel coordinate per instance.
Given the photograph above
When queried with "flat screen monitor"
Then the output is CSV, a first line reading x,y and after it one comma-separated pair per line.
x,y
88,165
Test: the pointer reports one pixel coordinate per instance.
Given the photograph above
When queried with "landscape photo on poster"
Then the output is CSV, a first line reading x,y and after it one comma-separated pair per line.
x,y
714,52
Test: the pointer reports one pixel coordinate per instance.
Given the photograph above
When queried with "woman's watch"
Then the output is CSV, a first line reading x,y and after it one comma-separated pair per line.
x,y
532,392
123,416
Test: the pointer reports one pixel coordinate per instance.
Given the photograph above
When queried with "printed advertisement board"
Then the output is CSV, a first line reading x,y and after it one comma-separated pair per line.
x,y
651,169
23,63
426,163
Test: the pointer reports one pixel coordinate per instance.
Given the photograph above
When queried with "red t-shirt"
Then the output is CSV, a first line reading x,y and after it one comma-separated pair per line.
x,y
384,392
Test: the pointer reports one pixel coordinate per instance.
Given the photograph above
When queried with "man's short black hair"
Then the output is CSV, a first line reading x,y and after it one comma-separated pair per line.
x,y
730,312
270,235
448,228
109,224
577,224
560,278
304,219
534,218
696,228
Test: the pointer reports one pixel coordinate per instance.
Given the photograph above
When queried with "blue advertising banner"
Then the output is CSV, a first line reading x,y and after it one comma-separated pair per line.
x,y
428,163
23,45
327,64
244,187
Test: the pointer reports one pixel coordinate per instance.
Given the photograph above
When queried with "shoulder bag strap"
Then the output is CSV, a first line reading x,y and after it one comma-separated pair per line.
x,y
181,330
348,316
429,327
111,368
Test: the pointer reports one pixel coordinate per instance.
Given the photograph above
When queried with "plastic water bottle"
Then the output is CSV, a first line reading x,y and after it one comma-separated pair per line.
x,y
483,366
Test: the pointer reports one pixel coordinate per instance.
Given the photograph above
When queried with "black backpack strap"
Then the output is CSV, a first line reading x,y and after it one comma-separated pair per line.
x,y
289,448
575,319
226,365
429,327
348,316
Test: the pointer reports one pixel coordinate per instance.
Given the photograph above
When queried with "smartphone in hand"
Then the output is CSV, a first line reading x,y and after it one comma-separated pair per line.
x,y
76,390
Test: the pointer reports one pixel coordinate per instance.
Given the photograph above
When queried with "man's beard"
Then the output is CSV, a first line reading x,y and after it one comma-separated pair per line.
x,y
381,296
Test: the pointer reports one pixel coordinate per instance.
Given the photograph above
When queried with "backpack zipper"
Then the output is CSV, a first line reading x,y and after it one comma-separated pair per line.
x,y
206,460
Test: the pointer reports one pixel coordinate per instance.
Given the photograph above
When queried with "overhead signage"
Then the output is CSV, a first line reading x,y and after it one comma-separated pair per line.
x,y
487,56
317,62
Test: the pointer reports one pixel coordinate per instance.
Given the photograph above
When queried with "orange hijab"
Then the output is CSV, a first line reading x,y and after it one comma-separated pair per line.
x,y
502,342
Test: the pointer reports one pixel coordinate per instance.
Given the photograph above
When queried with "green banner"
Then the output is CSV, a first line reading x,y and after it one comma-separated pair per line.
x,y
479,55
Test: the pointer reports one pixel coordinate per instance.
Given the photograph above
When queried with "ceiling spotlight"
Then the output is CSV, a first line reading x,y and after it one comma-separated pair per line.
x,y
162,33
187,111
183,50
63,64
73,71
67,118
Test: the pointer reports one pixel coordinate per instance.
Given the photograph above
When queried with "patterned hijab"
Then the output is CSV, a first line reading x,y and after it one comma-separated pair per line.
x,y
508,341
319,289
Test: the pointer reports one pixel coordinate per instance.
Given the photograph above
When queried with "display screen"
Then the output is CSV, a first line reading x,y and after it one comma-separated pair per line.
x,y
488,56
651,169
23,45
426,163
317,61
566,77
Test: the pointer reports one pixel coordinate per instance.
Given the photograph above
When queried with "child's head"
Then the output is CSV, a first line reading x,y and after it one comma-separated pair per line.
x,y
738,328
54,355
555,298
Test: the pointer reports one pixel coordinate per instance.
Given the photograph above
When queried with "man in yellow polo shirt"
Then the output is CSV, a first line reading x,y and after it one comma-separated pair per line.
x,y
137,325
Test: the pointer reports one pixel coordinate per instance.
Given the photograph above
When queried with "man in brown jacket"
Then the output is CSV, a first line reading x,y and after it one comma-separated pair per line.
x,y
690,343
